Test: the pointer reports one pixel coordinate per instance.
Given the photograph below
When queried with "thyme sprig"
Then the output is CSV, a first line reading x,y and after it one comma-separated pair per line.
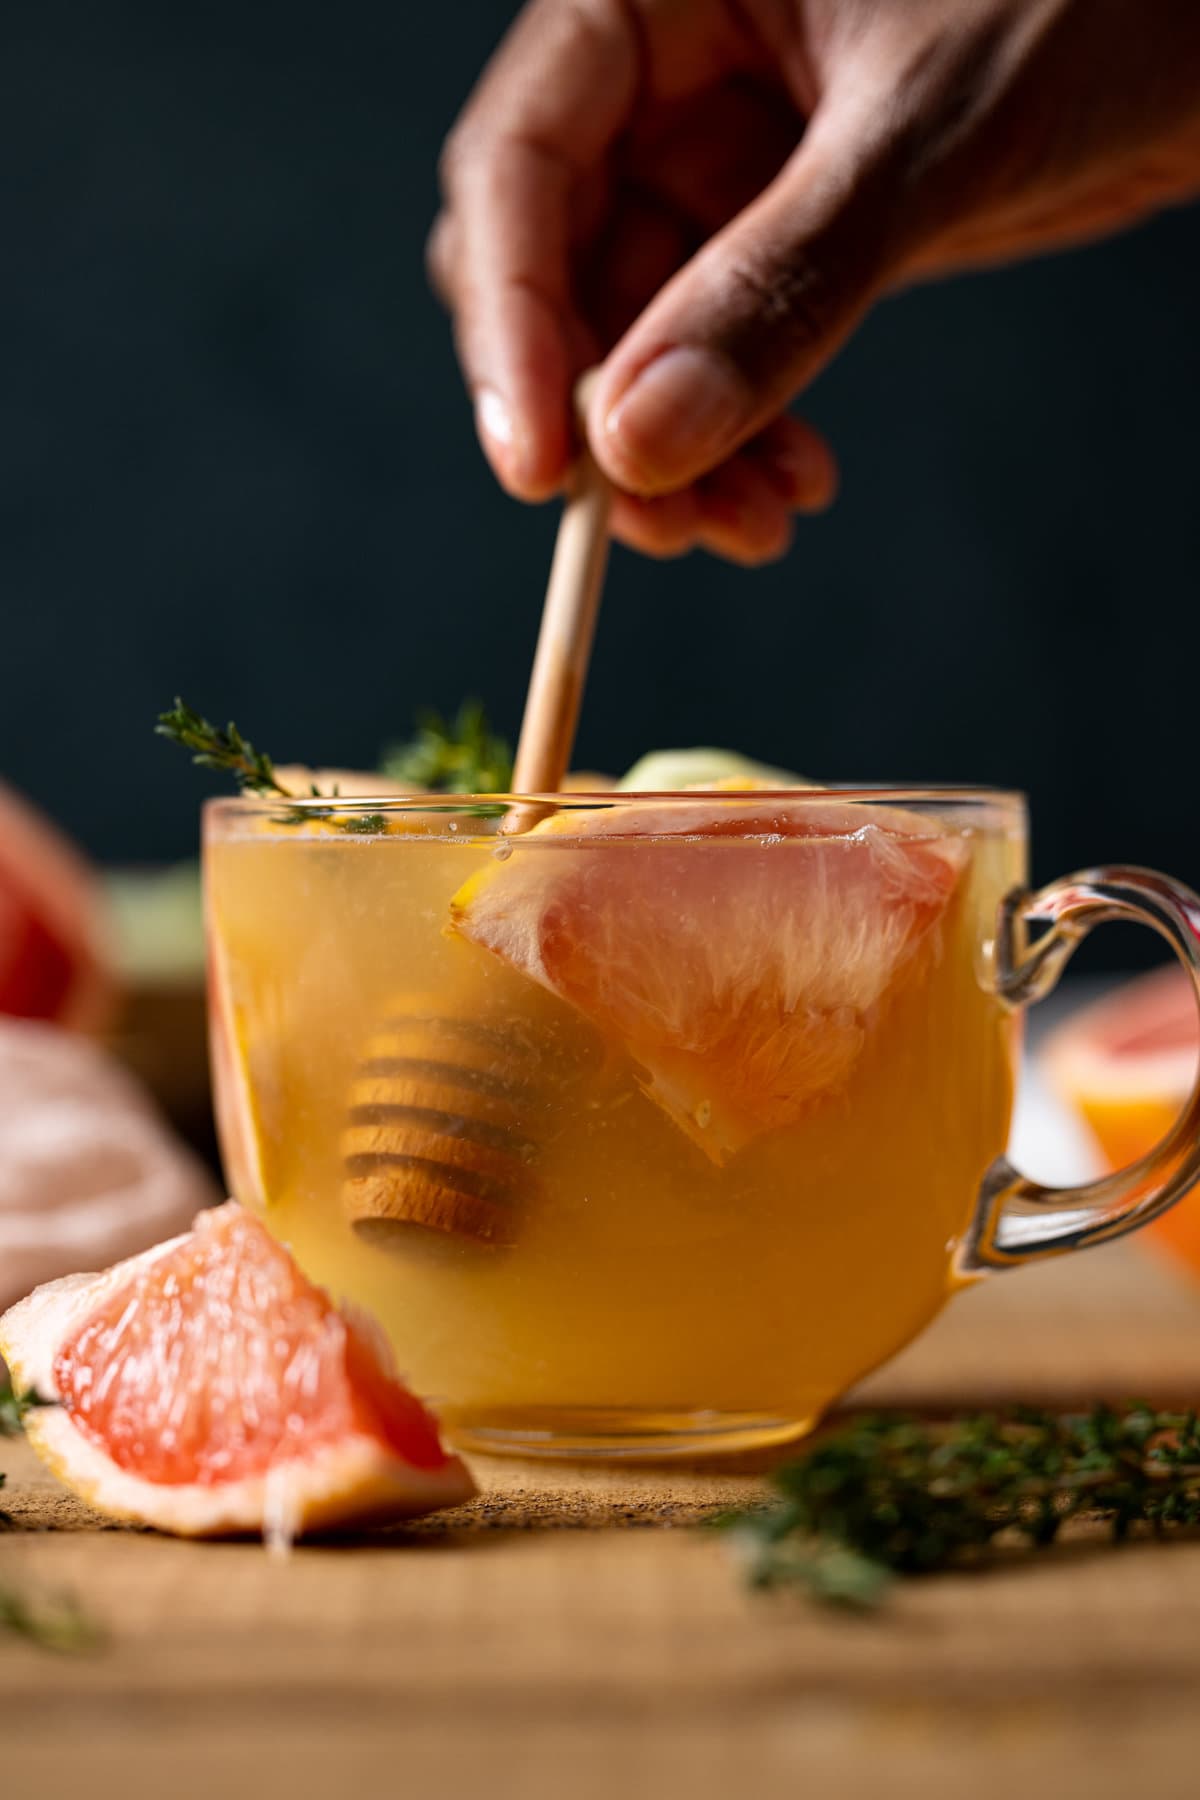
x,y
456,758
52,1621
10,1426
214,747
459,756
227,749
889,1496
12,1409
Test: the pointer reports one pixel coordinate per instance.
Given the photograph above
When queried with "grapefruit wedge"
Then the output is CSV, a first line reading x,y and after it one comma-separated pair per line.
x,y
1127,1064
208,1388
1128,1061
55,962
739,948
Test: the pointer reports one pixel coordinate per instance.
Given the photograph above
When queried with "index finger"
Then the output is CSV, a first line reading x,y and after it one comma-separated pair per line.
x,y
554,97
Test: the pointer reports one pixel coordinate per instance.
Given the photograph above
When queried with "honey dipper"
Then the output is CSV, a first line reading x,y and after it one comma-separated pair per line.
x,y
444,1107
442,1127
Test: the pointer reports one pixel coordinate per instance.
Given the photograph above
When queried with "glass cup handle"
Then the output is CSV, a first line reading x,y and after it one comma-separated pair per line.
x,y
1017,1220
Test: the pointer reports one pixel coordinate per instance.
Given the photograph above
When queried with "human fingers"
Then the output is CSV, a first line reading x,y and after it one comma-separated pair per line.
x,y
742,511
751,318
551,102
798,462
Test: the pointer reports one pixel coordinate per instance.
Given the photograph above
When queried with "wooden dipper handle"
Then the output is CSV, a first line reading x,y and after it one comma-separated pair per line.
x,y
568,626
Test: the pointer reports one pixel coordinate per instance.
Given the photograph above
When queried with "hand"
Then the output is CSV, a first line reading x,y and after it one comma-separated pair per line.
x,y
710,194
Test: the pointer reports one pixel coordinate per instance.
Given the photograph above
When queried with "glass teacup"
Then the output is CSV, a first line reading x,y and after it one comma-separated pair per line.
x,y
649,1123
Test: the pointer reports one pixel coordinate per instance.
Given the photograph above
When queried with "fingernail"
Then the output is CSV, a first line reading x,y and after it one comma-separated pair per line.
x,y
683,412
502,438
495,423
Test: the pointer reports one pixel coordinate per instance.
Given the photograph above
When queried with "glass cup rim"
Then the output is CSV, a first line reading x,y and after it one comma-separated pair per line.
x,y
590,800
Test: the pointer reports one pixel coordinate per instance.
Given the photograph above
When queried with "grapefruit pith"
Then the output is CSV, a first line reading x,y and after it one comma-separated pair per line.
x,y
739,949
208,1387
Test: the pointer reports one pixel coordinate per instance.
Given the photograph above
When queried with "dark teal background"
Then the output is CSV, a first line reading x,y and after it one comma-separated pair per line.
x,y
236,462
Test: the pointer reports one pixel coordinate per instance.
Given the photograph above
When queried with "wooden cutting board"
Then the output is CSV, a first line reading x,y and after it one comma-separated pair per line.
x,y
571,1633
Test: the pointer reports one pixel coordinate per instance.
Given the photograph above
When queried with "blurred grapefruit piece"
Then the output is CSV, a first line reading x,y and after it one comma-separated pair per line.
x,y
54,954
207,1387
742,978
1127,1064
88,1171
345,784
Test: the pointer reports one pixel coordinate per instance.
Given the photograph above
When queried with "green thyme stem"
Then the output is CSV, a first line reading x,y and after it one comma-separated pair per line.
x,y
887,1496
213,748
253,770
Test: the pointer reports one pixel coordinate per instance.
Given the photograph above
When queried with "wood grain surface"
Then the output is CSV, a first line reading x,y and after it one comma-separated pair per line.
x,y
573,1634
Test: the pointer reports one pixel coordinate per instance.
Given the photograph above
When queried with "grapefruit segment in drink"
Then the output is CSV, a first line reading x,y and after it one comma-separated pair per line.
x,y
739,950
246,1100
208,1387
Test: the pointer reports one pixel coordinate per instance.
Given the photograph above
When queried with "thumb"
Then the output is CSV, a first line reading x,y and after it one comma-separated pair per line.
x,y
734,336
